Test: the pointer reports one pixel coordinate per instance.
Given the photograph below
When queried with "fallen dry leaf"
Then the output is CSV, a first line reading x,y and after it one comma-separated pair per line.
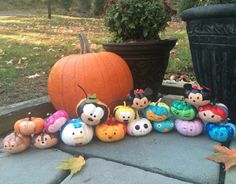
x,y
73,164
225,155
33,76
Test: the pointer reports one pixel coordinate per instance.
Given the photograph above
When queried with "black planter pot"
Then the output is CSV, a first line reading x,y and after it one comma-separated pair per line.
x,y
212,38
147,60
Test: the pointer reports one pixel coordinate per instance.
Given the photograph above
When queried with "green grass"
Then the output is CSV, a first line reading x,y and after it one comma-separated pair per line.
x,y
31,44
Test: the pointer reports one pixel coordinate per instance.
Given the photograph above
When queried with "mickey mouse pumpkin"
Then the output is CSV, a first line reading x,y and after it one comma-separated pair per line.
x,y
111,131
91,110
197,95
15,143
30,125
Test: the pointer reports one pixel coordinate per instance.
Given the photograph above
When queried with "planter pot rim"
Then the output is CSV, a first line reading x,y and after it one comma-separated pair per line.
x,y
141,43
210,11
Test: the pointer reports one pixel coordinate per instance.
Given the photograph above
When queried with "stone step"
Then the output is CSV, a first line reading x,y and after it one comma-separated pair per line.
x,y
230,177
32,166
169,154
106,172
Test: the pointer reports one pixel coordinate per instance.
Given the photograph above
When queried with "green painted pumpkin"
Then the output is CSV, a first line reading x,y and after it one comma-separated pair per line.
x,y
182,110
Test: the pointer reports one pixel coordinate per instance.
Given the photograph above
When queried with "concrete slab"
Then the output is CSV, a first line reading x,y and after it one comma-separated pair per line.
x,y
107,172
169,154
230,177
32,166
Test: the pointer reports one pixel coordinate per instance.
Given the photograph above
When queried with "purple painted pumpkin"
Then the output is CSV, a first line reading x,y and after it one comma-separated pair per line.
x,y
189,128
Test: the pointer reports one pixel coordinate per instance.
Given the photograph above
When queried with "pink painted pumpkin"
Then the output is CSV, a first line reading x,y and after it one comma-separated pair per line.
x,y
189,128
54,122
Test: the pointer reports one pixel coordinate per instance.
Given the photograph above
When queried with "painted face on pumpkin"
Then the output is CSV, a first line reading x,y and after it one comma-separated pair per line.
x,y
123,113
139,127
164,126
14,143
111,132
76,132
92,111
196,95
44,140
140,99
213,113
189,128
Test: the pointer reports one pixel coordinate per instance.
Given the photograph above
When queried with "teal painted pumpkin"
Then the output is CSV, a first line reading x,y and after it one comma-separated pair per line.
x,y
157,112
182,110
164,126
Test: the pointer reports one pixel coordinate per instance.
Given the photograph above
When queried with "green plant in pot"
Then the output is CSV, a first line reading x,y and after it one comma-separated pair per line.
x,y
135,25
212,37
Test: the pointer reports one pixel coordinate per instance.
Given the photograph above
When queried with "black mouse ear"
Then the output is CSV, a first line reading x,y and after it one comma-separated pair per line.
x,y
188,86
148,92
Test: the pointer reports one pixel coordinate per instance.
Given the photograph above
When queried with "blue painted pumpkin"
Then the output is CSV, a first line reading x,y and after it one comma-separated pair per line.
x,y
164,126
157,112
220,133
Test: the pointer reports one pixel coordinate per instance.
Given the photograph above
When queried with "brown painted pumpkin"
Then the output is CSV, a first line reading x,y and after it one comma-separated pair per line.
x,y
111,131
30,125
45,140
105,74
16,143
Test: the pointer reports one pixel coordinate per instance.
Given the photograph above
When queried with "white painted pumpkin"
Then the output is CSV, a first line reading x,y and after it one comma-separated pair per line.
x,y
76,133
139,127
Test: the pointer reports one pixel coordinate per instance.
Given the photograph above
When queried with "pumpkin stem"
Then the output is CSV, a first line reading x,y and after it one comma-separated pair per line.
x,y
84,44
82,90
125,103
29,115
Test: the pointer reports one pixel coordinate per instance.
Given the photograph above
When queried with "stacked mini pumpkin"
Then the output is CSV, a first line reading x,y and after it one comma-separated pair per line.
x,y
215,115
42,133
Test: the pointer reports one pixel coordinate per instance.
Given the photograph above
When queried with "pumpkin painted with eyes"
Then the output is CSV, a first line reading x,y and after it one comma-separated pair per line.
x,y
182,110
164,126
16,143
220,132
189,128
76,133
54,122
30,125
111,131
92,111
124,113
157,112
213,113
45,140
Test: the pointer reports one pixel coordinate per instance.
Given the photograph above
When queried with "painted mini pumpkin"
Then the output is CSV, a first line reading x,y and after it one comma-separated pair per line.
x,y
16,143
111,131
164,126
139,127
157,112
45,140
189,128
220,132
92,111
182,110
197,95
54,122
30,125
124,113
76,133
139,99
213,113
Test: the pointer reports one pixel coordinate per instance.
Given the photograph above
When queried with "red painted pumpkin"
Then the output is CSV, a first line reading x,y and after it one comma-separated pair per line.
x,y
105,74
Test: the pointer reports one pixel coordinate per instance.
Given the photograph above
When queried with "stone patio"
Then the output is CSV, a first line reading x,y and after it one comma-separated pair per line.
x,y
156,158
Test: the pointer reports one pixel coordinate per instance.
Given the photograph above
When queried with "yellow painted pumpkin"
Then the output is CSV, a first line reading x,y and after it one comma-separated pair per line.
x,y
111,131
124,113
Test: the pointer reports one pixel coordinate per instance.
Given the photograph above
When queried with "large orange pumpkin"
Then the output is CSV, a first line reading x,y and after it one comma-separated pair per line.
x,y
105,74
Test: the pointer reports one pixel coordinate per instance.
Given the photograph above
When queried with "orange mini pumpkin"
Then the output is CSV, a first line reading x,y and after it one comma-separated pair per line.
x,y
30,125
105,74
111,131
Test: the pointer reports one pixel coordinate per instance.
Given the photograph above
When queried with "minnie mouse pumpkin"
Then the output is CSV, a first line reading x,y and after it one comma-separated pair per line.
x,y
197,95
